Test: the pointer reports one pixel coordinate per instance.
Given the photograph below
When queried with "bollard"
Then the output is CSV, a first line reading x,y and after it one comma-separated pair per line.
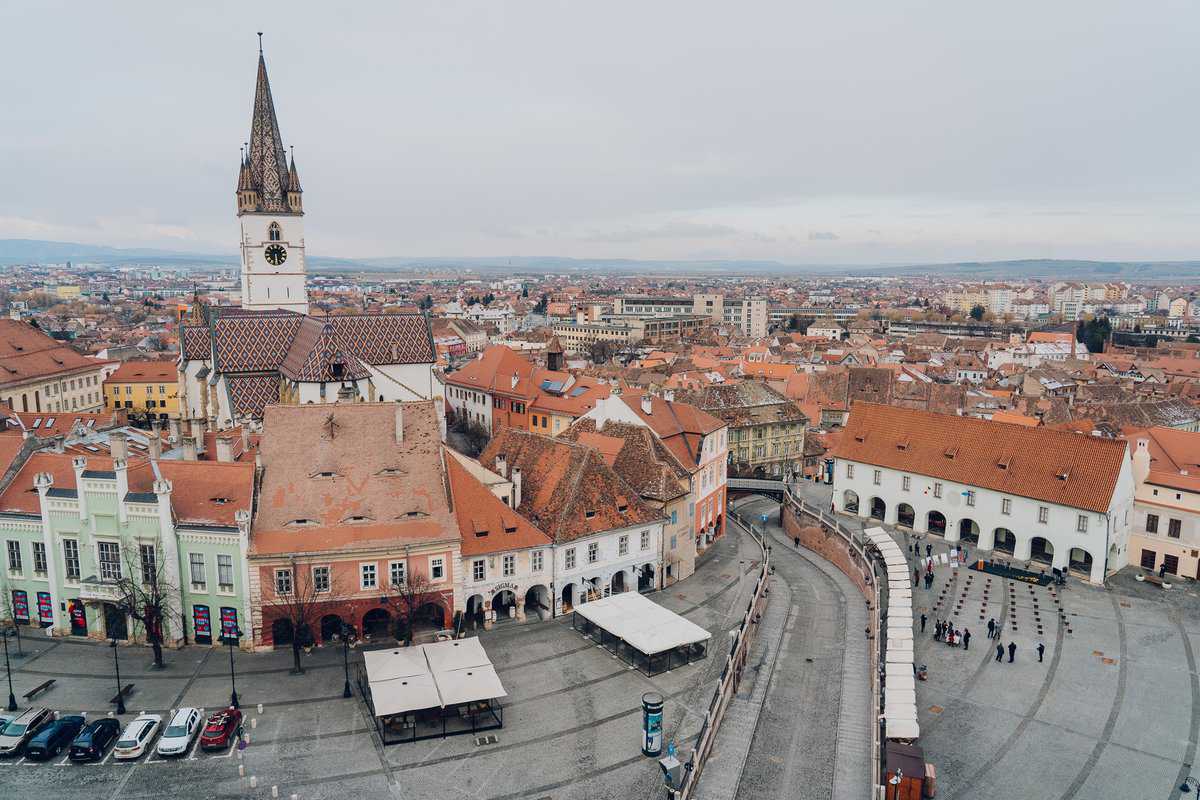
x,y
246,738
253,781
260,708
254,723
241,770
274,791
110,713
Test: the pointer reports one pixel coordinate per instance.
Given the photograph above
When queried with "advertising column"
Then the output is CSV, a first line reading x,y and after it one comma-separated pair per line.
x,y
652,714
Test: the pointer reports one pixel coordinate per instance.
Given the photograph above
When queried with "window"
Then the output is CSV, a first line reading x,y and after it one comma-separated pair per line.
x,y
1006,506
623,545
71,558
593,552
1081,523
149,563
535,560
273,232
1152,523
569,557
39,558
970,497
110,560
367,576
906,483
937,490
478,570
510,565
437,569
672,541
849,470
14,556
225,573
320,579
196,568
645,540
283,582
877,477
1043,514
397,570
1173,528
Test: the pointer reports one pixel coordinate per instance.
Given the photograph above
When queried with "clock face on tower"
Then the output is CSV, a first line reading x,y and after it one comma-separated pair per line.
x,y
276,255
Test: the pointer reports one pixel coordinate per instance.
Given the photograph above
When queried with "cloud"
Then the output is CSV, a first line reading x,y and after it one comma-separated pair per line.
x,y
670,230
822,236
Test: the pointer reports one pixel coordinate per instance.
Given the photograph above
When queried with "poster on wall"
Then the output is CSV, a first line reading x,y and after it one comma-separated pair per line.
x,y
229,625
45,609
201,625
21,606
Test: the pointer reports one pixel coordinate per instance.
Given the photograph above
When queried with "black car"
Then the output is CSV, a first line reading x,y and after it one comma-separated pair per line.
x,y
53,738
93,741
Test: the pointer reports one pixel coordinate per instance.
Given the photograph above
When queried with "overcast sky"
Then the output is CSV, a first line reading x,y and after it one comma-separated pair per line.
x,y
849,132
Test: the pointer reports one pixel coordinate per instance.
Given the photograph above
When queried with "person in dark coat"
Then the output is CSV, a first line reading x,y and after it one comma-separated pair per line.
x,y
797,541
928,549
922,623
991,627
999,652
966,638
916,576
1041,650
1012,651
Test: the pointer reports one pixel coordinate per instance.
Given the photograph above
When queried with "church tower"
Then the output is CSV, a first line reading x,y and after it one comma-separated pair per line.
x,y
270,211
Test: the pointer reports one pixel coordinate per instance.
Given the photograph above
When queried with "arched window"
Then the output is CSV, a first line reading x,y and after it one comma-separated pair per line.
x,y
273,232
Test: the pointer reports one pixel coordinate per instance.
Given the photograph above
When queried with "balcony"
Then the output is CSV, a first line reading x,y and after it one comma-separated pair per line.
x,y
95,589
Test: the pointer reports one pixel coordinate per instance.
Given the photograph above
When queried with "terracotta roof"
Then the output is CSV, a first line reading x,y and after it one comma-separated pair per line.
x,y
317,356
637,455
1012,417
680,426
485,523
494,370
145,372
28,354
60,423
745,403
335,477
1039,463
249,395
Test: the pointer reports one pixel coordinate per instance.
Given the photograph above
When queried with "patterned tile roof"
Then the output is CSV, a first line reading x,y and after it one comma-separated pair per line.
x,y
245,342
317,355
386,338
269,172
250,394
195,342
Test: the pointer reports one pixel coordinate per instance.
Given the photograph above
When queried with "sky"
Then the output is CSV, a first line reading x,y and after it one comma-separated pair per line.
x,y
801,132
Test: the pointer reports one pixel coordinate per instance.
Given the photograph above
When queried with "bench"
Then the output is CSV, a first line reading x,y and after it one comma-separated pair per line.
x,y
39,688
125,692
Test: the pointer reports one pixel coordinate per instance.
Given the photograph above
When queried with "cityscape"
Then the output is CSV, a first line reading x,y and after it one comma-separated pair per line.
x,y
637,519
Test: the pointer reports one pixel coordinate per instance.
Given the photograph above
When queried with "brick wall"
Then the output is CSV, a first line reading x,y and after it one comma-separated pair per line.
x,y
828,545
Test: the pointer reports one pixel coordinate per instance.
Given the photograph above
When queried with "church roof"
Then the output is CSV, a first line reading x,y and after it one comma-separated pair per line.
x,y
269,173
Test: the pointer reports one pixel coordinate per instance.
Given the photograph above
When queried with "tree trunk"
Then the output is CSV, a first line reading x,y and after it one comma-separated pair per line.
x,y
158,653
297,669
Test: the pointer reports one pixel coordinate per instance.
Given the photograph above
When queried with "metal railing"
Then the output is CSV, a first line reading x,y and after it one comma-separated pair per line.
x,y
731,674
871,563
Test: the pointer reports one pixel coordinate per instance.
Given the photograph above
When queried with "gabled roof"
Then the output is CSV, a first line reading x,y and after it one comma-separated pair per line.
x,y
28,354
485,523
1040,463
680,426
637,455
494,371
145,372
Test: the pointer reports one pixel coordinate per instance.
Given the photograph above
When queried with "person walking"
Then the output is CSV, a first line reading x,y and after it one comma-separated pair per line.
x,y
1012,651
928,549
966,639
797,542
991,628
1041,648
916,576
999,652
922,623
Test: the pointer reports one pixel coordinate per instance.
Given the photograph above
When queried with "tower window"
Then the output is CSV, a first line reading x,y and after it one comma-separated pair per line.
x,y
273,232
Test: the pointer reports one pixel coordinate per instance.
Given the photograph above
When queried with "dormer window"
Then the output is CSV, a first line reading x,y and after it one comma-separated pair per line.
x,y
219,500
589,514
325,474
301,522
356,518
273,232
412,515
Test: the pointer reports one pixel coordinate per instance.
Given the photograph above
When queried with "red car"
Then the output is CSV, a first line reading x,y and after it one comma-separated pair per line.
x,y
221,729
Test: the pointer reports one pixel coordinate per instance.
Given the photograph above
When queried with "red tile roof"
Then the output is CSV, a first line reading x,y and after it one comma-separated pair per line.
x,y
485,523
1039,463
27,354
145,372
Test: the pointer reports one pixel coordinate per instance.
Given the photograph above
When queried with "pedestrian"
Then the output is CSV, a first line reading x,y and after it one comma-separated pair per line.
x,y
964,557
1012,651
999,652
937,630
966,639
916,576
928,549
1041,651
797,541
922,623
991,628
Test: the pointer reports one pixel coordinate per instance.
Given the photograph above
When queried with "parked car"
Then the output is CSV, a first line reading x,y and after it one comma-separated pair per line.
x,y
54,737
180,732
93,741
22,729
137,737
221,729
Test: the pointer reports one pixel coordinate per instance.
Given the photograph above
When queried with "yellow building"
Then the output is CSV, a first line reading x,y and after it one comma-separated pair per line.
x,y
67,291
149,387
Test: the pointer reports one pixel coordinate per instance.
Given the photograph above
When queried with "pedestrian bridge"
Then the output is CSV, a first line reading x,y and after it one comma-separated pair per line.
x,y
755,485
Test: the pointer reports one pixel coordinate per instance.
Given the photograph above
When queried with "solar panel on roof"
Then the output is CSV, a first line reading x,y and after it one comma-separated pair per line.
x,y
36,423
91,422
50,422
90,447
578,390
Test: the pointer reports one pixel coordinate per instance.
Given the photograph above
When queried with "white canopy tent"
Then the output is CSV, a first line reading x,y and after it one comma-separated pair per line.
x,y
643,632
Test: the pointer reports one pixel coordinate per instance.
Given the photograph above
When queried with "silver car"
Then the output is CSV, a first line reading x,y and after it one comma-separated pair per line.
x,y
180,732
21,730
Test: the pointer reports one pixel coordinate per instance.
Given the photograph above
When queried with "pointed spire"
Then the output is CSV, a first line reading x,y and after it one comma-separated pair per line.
x,y
293,176
267,162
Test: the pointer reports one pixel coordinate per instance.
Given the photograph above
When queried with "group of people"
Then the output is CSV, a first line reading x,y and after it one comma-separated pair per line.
x,y
944,631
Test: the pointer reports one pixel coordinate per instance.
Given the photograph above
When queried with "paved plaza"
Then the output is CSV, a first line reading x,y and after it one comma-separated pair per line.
x,y
571,720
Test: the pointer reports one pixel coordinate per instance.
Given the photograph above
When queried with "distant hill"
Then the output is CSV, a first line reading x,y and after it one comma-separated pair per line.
x,y
33,251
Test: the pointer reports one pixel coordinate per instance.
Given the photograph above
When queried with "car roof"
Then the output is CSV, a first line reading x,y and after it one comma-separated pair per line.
x,y
148,718
184,713
30,713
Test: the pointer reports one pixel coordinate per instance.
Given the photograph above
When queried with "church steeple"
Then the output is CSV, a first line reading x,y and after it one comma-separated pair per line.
x,y
269,175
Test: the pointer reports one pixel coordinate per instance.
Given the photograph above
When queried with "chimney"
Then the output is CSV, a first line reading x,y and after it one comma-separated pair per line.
x,y
174,432
245,436
155,443
516,481
198,430
669,395
189,448
399,423
646,404
515,379
1141,461
118,444
224,449
501,466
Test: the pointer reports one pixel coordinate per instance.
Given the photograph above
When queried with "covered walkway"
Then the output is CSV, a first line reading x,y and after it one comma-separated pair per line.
x,y
641,632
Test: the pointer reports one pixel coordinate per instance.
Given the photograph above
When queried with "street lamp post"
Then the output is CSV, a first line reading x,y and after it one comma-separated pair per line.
x,y
346,630
12,699
895,782
231,638
117,667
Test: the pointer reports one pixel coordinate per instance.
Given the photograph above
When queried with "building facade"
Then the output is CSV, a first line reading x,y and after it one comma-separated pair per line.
x,y
1166,526
149,388
41,374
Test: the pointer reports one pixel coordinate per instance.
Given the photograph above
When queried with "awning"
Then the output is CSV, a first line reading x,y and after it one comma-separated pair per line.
x,y
641,623
433,675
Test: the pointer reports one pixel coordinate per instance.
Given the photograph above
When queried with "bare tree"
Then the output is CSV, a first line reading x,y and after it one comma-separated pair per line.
x,y
146,593
301,599
408,598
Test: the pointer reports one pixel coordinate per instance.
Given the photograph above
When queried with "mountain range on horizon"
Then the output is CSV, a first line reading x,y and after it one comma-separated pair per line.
x,y
35,251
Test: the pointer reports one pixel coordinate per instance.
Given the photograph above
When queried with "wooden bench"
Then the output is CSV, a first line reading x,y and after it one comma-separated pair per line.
x,y
39,688
126,690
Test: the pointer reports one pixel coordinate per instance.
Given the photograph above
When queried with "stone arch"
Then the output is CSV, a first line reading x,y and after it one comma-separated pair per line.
x,y
1005,541
538,601
905,515
850,501
878,509
376,622
968,530
502,601
331,626
274,232
1080,560
619,583
935,522
1041,549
